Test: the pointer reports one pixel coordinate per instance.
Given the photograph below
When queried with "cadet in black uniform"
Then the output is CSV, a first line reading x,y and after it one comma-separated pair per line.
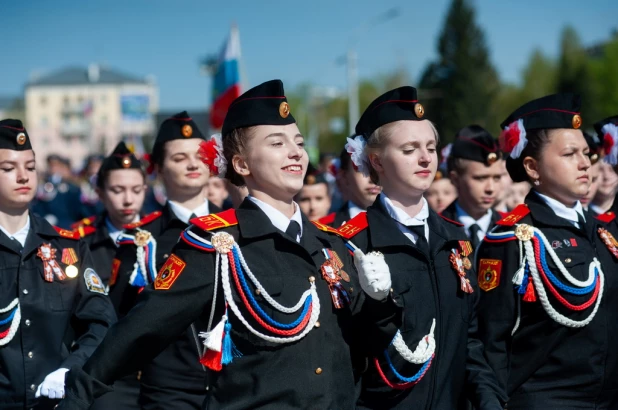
x,y
436,361
53,306
121,187
475,168
357,189
314,198
281,338
596,155
175,378
546,268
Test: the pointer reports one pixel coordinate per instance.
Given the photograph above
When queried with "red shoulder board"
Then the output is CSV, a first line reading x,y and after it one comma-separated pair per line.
x,y
85,230
67,234
323,227
145,220
450,220
84,222
514,216
216,221
354,226
502,214
607,217
328,219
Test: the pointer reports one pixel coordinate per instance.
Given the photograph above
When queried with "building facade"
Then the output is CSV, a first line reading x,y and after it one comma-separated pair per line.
x,y
79,111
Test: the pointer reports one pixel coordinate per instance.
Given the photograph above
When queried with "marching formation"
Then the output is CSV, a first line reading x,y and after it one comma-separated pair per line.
x,y
399,274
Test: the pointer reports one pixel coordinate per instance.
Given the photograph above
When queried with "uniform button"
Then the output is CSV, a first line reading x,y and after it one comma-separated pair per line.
x,y
567,260
351,289
30,355
25,291
165,256
257,292
317,324
32,387
318,370
207,388
27,322
311,279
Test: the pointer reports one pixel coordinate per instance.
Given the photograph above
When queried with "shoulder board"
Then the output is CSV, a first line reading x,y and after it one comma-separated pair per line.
x,y
354,226
84,222
328,219
514,216
67,234
502,214
145,220
216,221
450,220
84,230
607,217
323,227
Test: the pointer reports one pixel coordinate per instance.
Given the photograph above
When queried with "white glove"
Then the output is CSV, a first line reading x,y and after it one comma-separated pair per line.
x,y
373,274
53,385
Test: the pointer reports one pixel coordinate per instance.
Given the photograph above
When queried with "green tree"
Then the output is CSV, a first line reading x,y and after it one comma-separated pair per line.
x,y
462,82
604,73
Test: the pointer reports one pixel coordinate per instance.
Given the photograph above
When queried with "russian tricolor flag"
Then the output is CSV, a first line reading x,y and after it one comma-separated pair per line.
x,y
226,81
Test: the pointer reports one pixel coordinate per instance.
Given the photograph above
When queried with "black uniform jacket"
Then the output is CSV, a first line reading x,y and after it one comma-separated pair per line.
x,y
102,247
545,365
451,213
313,373
177,366
62,322
336,219
428,287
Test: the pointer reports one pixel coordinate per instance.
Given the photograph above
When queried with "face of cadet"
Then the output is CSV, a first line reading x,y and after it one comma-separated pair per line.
x,y
216,191
608,182
479,185
595,180
18,179
183,173
441,194
408,160
123,195
275,162
314,201
357,188
563,166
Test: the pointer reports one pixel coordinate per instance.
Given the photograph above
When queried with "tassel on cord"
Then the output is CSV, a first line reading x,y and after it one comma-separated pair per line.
x,y
519,276
229,350
214,338
524,285
212,360
530,295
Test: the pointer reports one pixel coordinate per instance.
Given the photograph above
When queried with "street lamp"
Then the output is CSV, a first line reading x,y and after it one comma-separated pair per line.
x,y
351,63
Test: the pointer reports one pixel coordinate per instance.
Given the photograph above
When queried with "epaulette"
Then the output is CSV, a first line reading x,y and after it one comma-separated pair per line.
x,y
450,220
502,214
84,230
84,222
67,234
323,227
216,221
354,226
607,217
328,219
514,216
145,220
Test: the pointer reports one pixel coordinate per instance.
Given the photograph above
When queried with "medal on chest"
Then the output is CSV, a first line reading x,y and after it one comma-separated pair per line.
x,y
609,241
332,272
460,262
50,265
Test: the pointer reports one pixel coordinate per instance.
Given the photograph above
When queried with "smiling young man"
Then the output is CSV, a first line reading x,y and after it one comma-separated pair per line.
x,y
175,378
475,168
314,198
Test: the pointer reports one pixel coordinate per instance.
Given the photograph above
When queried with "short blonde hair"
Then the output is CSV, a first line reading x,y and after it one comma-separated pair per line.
x,y
376,141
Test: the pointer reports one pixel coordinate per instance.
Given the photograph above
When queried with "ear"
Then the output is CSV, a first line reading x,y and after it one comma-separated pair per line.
x,y
531,166
454,177
376,162
240,166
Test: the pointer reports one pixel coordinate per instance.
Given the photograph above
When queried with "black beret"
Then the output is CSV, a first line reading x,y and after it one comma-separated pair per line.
x,y
14,136
177,127
314,177
395,105
596,147
476,144
598,126
120,158
264,104
550,112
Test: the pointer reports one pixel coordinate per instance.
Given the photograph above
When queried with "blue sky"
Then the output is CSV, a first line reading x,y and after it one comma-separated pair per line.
x,y
295,41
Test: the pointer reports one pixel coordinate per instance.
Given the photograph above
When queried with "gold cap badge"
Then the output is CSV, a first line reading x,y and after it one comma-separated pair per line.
x,y
577,121
419,110
284,109
21,138
187,130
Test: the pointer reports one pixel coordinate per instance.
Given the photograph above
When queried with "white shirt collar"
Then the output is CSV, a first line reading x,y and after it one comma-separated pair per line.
x,y
20,235
184,214
354,210
483,222
277,218
114,232
563,211
406,220
597,209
